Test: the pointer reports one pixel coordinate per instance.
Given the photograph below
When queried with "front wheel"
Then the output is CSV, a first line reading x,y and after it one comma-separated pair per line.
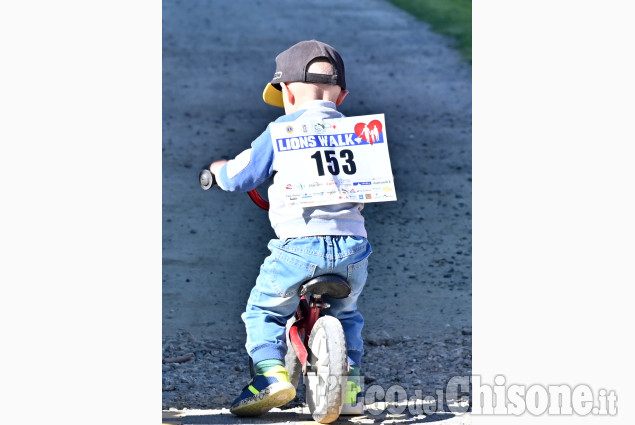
x,y
326,385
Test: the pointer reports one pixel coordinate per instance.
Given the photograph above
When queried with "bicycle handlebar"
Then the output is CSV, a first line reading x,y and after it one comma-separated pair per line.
x,y
206,180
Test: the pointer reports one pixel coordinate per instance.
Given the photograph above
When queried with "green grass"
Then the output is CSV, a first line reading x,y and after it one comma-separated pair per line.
x,y
448,17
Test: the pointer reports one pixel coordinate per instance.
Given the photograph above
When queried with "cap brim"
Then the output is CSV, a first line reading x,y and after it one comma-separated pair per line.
x,y
272,96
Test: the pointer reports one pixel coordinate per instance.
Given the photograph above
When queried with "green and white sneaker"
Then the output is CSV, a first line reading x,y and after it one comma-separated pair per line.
x,y
353,401
264,392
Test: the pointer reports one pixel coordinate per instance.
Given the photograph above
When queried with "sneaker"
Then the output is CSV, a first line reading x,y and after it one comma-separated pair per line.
x,y
264,392
353,403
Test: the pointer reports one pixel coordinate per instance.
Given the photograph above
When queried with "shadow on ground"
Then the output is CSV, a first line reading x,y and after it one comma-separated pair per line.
x,y
302,416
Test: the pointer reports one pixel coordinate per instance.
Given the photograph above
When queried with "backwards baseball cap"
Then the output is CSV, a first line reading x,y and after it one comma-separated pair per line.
x,y
292,64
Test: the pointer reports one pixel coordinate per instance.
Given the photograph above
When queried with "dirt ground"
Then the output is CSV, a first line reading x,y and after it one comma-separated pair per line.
x,y
217,58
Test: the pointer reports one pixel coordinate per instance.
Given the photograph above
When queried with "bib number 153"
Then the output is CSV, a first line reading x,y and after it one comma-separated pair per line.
x,y
332,163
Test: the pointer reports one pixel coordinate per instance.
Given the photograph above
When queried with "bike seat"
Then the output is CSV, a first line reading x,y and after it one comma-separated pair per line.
x,y
328,284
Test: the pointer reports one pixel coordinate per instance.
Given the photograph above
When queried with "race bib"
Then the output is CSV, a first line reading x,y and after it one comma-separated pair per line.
x,y
334,160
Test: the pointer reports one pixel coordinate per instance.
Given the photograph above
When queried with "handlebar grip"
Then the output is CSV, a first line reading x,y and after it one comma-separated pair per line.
x,y
206,179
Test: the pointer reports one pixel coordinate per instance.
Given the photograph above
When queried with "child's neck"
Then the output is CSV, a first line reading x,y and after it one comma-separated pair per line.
x,y
299,104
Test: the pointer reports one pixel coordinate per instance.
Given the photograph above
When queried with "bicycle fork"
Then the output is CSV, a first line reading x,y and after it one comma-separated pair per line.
x,y
307,313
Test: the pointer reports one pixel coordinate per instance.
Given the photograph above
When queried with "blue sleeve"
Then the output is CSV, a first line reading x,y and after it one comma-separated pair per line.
x,y
254,166
249,169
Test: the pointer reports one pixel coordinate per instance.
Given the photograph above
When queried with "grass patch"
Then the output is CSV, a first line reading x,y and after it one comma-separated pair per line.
x,y
448,17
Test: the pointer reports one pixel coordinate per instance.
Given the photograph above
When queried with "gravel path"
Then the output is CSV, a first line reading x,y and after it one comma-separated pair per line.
x,y
217,58
213,377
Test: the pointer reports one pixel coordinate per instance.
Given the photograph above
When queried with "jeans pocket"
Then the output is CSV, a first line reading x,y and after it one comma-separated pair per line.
x,y
357,274
288,271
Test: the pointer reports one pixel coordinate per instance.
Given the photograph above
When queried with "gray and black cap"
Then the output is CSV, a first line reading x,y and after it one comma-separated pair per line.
x,y
291,66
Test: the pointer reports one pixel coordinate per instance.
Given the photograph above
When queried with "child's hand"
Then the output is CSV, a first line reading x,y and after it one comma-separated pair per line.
x,y
216,165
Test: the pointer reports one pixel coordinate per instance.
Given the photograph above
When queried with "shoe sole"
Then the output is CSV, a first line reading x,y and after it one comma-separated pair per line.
x,y
352,409
275,395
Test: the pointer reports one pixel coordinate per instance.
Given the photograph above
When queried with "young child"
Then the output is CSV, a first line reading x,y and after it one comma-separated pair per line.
x,y
309,82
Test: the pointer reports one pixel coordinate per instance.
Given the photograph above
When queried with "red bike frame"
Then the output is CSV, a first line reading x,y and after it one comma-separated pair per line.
x,y
307,314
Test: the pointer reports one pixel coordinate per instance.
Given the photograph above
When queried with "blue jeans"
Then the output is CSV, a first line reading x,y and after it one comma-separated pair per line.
x,y
274,298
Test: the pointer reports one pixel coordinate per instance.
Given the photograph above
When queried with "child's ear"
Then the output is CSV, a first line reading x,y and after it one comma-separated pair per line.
x,y
287,95
341,97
